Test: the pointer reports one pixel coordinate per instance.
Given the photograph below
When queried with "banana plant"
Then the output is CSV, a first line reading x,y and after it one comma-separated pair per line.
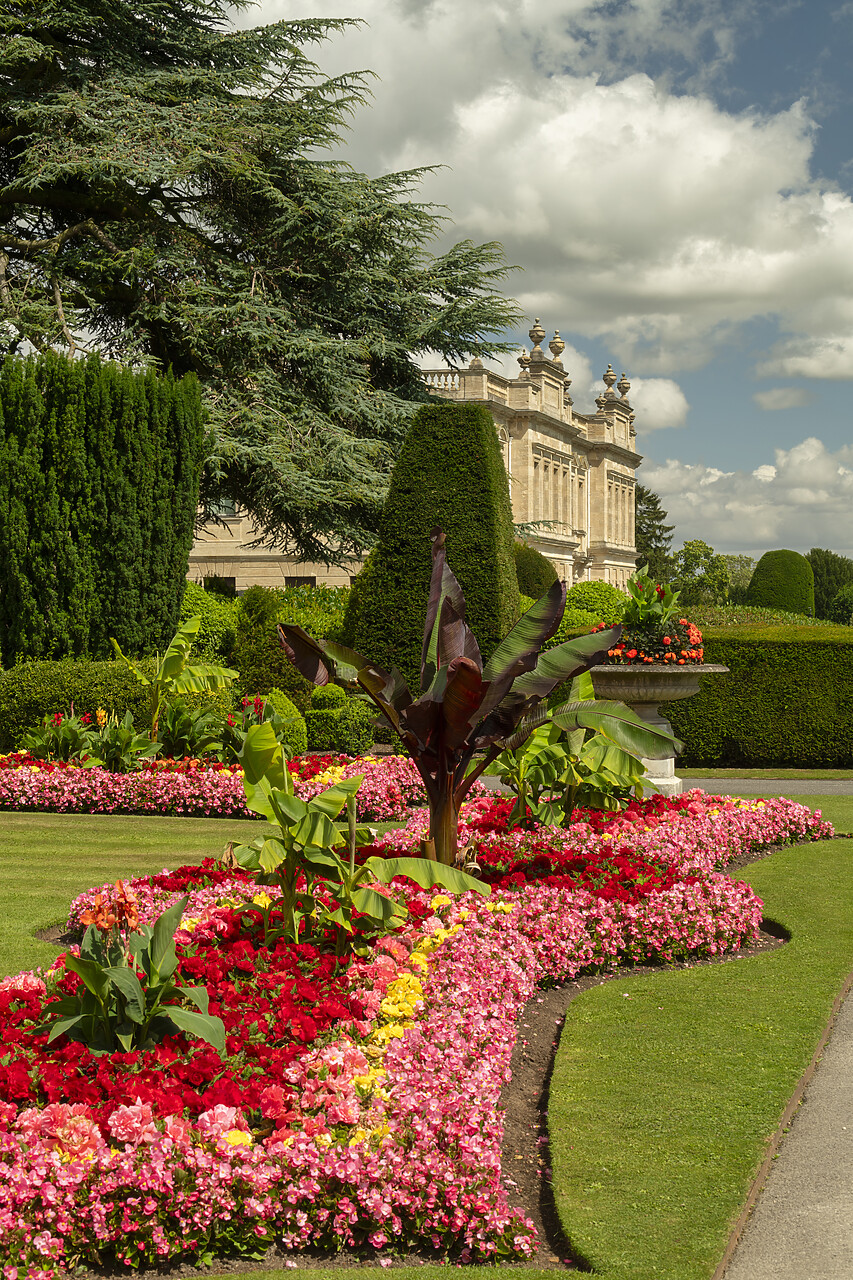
x,y
465,706
299,852
173,673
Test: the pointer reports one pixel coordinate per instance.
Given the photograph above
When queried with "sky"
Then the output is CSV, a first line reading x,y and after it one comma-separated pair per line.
x,y
674,182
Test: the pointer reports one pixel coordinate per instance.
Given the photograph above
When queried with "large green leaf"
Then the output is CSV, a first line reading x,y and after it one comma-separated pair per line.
x,y
62,1025
175,658
564,661
332,800
318,830
378,906
126,981
201,1025
261,756
162,946
426,873
258,797
92,975
140,675
202,678
528,635
288,809
271,855
198,995
619,723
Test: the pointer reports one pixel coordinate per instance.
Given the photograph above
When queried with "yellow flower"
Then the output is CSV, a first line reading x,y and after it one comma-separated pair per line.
x,y
262,900
101,717
440,900
189,923
237,1138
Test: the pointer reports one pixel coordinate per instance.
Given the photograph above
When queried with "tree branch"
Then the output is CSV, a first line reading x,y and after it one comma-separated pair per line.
x,y
57,297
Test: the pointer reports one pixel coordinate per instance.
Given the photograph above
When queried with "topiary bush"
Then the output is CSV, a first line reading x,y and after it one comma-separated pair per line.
x,y
534,572
782,580
347,727
602,599
33,690
449,473
841,609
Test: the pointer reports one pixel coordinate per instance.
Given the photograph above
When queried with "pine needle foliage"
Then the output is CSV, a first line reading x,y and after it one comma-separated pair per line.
x,y
166,195
99,477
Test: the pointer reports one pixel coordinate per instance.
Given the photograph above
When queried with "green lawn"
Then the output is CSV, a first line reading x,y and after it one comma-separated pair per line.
x,y
794,775
666,1088
47,859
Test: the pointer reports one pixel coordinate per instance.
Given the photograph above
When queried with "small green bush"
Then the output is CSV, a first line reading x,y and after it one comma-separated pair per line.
x,y
328,697
258,656
534,572
295,732
348,728
319,610
841,609
602,599
33,690
782,580
214,642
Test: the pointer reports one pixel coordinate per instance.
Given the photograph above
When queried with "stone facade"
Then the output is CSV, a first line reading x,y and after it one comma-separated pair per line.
x,y
571,477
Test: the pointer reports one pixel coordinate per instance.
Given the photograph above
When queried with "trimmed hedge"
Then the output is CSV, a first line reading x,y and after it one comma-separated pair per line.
x,y
782,580
33,690
449,473
215,640
347,727
295,732
601,598
534,572
787,702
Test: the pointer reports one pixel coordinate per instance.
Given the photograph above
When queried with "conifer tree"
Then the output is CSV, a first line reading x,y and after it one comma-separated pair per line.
x,y
99,473
831,573
164,197
653,536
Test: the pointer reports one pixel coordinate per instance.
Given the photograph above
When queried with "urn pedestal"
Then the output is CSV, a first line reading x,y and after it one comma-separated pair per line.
x,y
644,688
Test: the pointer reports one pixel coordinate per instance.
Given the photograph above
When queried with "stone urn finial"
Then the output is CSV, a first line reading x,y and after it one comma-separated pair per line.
x,y
556,346
524,361
623,385
536,334
609,378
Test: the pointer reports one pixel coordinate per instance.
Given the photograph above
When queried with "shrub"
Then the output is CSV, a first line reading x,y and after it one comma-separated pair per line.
x,y
347,727
99,478
33,690
294,733
841,609
782,580
534,572
449,473
602,599
788,700
258,656
831,573
216,635
319,610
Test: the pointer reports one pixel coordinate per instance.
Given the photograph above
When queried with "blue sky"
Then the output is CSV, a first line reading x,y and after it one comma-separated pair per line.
x,y
674,179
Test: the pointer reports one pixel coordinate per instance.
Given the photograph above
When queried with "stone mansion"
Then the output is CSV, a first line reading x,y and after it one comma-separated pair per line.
x,y
571,477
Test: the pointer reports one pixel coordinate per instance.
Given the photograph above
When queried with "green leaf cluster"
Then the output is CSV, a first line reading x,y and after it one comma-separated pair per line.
x,y
130,999
167,194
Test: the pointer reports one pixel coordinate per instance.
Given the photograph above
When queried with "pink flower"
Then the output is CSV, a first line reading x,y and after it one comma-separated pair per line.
x,y
134,1124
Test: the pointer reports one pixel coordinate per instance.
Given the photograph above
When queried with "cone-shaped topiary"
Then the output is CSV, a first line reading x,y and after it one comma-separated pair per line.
x,y
534,572
450,472
782,580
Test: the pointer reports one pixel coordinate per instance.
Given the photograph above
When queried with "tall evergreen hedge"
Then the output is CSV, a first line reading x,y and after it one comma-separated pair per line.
x,y
783,580
534,572
449,473
99,476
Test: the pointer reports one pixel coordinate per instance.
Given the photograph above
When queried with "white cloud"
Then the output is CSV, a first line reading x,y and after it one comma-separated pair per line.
x,y
802,500
659,402
649,218
783,398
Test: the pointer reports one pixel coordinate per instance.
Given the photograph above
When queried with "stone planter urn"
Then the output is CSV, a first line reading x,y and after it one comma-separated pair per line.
x,y
644,688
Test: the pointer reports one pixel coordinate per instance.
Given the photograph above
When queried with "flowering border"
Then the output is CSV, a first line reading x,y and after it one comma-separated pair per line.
x,y
420,1162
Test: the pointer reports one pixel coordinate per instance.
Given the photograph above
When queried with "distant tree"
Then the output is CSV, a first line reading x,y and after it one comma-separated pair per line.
x,y
741,569
700,574
653,535
831,573
783,580
165,198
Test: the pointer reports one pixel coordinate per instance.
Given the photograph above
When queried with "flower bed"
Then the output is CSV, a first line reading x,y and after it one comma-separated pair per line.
x,y
358,1105
193,788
